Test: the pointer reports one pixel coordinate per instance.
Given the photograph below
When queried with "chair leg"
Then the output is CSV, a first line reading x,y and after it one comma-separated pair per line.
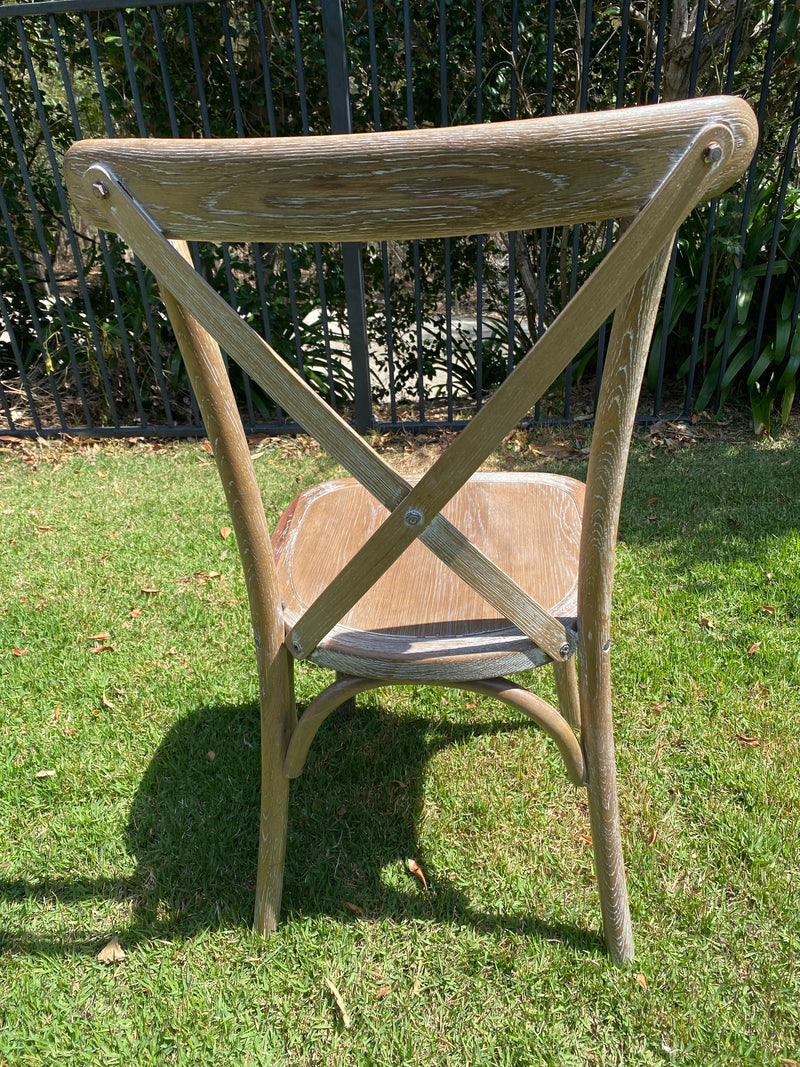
x,y
348,707
277,720
598,743
567,690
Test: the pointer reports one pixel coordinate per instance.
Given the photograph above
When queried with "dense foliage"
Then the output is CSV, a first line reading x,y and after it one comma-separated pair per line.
x,y
168,71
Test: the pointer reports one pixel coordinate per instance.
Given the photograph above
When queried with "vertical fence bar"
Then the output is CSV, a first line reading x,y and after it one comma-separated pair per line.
x,y
543,234
240,131
387,280
30,304
47,258
776,231
124,333
141,277
410,119
341,122
8,324
76,320
73,244
479,241
748,196
444,120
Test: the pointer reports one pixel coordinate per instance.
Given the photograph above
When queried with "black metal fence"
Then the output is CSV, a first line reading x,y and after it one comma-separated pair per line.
x,y
393,335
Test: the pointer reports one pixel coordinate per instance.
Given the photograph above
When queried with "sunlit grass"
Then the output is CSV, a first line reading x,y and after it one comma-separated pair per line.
x,y
129,794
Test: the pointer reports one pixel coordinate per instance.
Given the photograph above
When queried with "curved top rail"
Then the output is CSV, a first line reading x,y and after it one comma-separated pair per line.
x,y
399,185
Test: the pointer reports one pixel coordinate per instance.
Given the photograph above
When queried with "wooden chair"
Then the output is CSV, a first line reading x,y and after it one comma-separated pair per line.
x,y
456,578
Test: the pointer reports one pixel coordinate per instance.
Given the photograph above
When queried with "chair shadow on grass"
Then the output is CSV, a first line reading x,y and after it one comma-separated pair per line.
x,y
352,813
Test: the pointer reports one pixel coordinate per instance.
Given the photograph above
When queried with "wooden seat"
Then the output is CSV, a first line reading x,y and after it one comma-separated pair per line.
x,y
456,578
420,621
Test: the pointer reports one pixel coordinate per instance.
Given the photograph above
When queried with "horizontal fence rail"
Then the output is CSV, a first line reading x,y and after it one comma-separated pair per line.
x,y
395,336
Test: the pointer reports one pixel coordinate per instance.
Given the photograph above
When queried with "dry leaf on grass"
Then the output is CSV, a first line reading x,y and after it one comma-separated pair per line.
x,y
640,978
112,953
384,991
415,868
754,648
337,996
44,774
225,532
353,907
753,742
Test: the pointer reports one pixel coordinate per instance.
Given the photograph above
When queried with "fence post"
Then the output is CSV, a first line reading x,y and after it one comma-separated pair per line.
x,y
339,103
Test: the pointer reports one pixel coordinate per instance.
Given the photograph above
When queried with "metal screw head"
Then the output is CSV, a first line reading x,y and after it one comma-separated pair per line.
x,y
712,153
100,191
564,651
297,648
413,517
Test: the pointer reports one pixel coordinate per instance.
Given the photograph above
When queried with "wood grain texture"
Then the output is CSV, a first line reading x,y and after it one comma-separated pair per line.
x,y
566,679
264,365
211,385
419,616
578,321
502,689
629,347
657,163
387,186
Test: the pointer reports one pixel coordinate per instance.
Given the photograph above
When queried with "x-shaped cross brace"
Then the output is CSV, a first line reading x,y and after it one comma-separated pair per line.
x,y
415,512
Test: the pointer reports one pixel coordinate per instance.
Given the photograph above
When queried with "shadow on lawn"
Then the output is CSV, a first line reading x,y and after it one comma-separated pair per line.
x,y
352,814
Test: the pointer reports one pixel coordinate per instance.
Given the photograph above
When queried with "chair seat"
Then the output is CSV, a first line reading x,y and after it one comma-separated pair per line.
x,y
420,621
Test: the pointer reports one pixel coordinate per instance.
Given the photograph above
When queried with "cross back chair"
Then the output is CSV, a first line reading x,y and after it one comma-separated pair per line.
x,y
456,578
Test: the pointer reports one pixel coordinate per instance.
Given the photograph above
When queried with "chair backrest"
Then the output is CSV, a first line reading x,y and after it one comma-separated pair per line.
x,y
653,164
413,183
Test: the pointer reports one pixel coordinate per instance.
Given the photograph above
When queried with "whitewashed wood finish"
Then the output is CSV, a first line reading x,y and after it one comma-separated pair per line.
x,y
566,679
286,386
662,160
419,618
211,385
579,320
592,304
626,359
502,689
385,186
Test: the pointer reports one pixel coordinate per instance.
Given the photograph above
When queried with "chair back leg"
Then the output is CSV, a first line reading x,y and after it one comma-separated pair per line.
x,y
277,705
209,378
616,411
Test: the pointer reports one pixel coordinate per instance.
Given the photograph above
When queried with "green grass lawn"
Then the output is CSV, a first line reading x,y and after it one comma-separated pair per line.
x,y
129,793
